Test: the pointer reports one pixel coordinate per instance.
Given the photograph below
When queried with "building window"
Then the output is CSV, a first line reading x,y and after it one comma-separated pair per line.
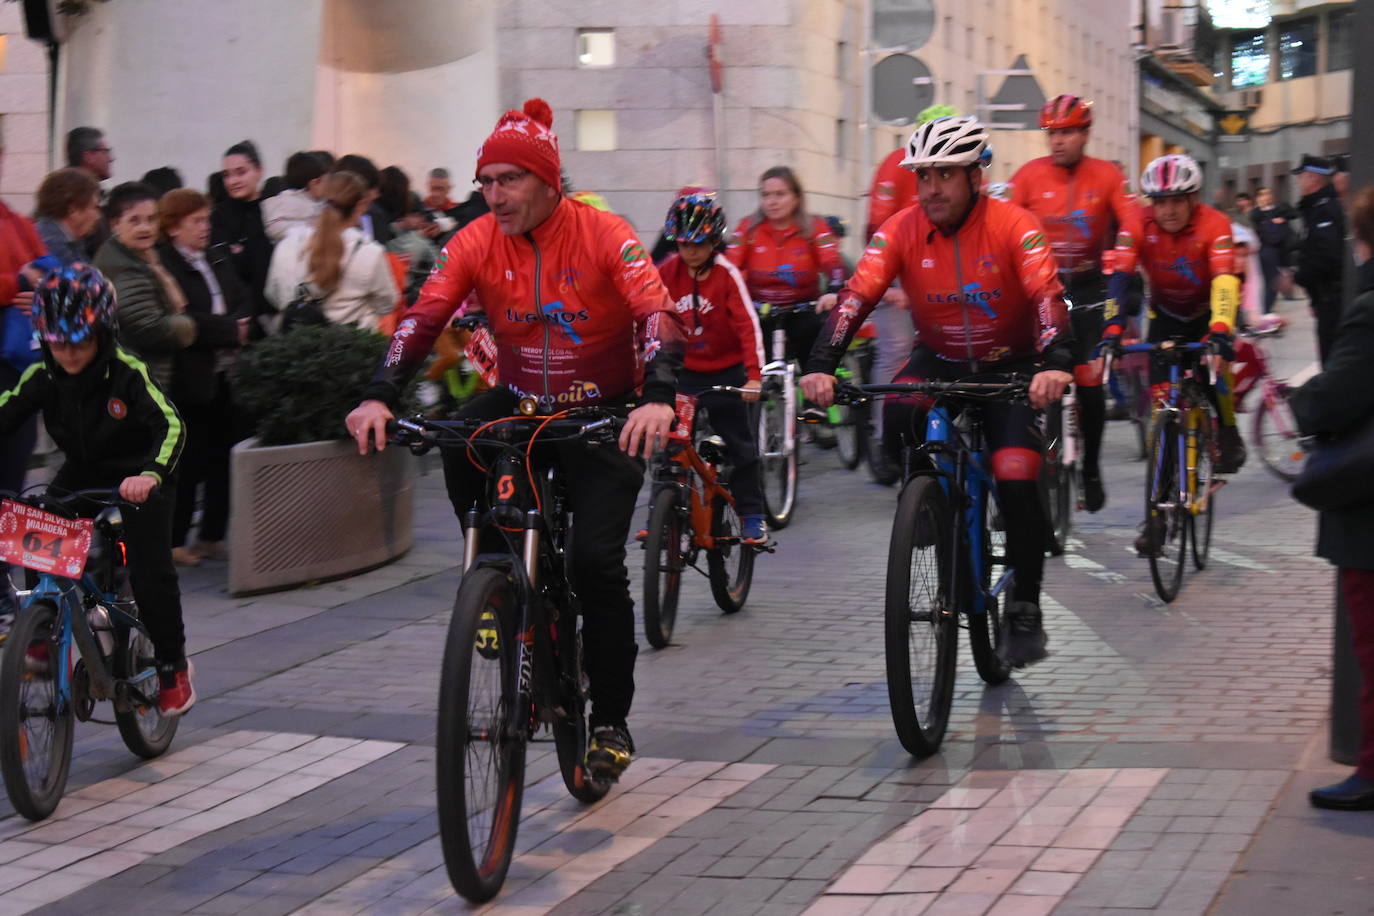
x,y
1249,60
3,39
1340,26
841,139
1298,49
595,129
596,47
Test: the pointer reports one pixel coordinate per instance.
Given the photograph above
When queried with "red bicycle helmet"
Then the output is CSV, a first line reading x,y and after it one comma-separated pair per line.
x,y
1066,111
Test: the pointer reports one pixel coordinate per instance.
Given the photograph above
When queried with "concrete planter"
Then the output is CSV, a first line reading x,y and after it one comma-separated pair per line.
x,y
319,510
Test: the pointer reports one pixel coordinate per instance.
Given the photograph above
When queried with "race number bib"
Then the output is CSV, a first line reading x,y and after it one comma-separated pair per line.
x,y
42,541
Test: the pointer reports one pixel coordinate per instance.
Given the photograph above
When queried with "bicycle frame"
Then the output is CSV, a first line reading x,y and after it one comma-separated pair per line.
x,y
73,598
685,468
958,462
1179,411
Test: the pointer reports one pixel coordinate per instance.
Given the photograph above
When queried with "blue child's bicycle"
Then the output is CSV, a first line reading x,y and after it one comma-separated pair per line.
x,y
77,640
943,559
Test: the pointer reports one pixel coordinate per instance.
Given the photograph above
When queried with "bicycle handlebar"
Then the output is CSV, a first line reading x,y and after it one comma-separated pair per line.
x,y
1015,388
420,433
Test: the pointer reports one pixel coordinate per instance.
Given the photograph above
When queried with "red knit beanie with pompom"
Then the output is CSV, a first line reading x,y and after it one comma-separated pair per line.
x,y
525,138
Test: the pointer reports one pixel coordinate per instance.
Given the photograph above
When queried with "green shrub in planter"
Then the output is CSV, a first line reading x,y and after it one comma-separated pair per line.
x,y
299,386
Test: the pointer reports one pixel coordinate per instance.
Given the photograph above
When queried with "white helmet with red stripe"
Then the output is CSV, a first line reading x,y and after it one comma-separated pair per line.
x,y
1168,176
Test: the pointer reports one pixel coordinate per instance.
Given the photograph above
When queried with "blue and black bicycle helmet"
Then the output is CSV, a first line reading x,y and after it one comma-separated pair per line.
x,y
73,303
695,217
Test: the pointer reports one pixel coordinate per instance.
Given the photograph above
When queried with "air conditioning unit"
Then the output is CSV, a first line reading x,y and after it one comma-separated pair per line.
x,y
1251,98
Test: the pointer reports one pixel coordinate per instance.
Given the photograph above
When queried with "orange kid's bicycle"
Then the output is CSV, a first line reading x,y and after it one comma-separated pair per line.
x,y
691,513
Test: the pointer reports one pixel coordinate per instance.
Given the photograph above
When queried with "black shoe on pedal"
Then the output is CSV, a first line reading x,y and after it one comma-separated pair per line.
x,y
1152,535
609,752
1094,497
1023,635
1232,449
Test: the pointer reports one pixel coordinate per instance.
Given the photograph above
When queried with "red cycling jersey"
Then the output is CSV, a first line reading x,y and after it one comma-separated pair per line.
x,y
987,294
563,301
784,266
894,188
1078,206
1180,268
721,327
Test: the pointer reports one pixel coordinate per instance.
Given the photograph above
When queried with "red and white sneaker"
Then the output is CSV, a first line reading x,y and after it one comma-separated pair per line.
x,y
177,695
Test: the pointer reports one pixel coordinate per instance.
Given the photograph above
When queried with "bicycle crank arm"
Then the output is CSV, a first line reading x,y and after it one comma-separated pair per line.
x,y
102,684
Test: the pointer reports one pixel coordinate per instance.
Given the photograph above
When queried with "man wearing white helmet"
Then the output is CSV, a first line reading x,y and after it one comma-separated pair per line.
x,y
984,297
1187,255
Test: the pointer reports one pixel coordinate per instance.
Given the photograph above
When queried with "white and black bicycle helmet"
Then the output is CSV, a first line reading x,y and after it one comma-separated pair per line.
x,y
952,141
1171,175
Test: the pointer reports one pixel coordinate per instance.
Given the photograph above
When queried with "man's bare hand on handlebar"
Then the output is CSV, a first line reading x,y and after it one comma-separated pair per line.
x,y
646,429
1047,387
367,423
819,388
751,390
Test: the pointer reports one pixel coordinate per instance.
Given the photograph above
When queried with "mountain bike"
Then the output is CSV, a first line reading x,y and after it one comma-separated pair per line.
x,y
513,654
944,570
1181,483
692,513
1274,430
1061,483
77,640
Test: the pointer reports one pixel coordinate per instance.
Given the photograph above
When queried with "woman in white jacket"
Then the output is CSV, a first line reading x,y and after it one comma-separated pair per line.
x,y
335,261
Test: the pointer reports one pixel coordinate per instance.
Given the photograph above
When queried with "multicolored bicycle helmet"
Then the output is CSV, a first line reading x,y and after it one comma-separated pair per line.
x,y
1171,175
695,218
946,142
73,303
1066,111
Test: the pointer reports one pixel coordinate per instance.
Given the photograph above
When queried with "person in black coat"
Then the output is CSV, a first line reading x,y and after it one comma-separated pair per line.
x,y
1337,401
236,227
216,301
1272,222
1321,253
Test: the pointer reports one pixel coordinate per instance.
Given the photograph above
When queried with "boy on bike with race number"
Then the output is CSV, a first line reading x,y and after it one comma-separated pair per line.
x,y
118,430
724,343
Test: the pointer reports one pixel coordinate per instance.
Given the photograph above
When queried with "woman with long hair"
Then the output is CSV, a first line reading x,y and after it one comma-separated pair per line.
x,y
236,222
788,257
334,262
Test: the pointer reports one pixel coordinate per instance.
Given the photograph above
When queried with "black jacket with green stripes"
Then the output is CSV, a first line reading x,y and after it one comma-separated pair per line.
x,y
111,420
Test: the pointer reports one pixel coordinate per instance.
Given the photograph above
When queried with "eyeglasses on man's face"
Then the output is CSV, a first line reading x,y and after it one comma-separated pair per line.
x,y
506,180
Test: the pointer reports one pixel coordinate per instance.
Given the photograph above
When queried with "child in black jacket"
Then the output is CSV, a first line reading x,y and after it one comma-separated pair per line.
x,y
117,429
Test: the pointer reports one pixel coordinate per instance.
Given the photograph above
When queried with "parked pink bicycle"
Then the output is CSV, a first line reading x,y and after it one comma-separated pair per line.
x,y
1274,431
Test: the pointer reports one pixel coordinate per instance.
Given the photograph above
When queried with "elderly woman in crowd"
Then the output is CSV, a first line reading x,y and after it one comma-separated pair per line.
x,y
68,210
218,304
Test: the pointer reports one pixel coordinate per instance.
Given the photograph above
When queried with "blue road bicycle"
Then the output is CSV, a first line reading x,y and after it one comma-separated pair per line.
x,y
946,562
77,640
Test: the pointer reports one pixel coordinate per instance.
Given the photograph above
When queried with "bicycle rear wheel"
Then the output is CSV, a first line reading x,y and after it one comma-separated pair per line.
x,y
778,460
730,564
1201,520
480,747
1162,509
146,732
665,550
985,629
570,732
35,723
1276,435
921,628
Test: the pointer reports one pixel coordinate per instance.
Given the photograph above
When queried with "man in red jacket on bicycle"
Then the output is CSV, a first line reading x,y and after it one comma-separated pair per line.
x,y
580,318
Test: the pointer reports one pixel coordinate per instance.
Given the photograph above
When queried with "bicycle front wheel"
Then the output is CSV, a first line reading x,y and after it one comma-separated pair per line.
x,y
845,419
480,747
1162,511
1276,435
1202,513
35,722
921,629
730,564
777,459
665,555
1056,483
985,629
145,730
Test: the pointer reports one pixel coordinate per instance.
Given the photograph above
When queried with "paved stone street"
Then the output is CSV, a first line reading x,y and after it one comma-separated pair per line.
x,y
1158,760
